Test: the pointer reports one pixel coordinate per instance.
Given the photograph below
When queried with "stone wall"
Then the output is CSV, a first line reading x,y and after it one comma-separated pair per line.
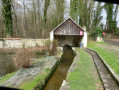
x,y
19,43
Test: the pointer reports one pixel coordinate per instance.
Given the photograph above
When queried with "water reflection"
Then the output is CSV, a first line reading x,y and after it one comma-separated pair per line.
x,y
60,74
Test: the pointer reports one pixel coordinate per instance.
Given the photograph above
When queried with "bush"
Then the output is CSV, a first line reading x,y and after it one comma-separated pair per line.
x,y
51,47
95,33
23,58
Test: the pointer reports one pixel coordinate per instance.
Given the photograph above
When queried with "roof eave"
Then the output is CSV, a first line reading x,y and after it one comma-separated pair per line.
x,y
64,22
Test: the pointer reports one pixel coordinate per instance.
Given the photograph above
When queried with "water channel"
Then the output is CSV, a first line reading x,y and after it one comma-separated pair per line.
x,y
55,82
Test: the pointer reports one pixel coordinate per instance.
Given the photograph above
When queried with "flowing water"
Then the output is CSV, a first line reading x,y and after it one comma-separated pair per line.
x,y
55,82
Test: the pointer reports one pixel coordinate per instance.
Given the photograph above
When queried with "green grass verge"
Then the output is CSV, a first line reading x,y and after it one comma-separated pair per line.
x,y
6,77
39,79
109,56
85,76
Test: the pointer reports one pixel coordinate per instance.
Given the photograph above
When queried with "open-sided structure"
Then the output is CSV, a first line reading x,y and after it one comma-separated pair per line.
x,y
69,32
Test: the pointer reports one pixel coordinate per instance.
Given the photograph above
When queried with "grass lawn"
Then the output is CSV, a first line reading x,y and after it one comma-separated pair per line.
x,y
110,57
85,76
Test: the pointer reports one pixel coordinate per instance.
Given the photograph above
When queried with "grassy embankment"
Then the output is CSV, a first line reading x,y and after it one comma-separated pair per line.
x,y
37,80
110,56
30,84
85,76
6,77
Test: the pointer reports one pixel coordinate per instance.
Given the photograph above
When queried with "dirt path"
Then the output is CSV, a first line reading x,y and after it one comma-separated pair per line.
x,y
112,46
114,42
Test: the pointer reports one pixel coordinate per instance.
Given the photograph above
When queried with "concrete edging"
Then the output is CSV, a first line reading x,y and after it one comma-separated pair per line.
x,y
64,85
113,74
96,69
42,83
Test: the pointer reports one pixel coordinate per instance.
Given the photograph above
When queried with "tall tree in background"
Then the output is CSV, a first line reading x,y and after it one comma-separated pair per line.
x,y
116,12
110,23
47,3
55,14
83,12
59,10
30,18
74,10
2,25
86,13
36,18
90,15
7,14
97,16
16,20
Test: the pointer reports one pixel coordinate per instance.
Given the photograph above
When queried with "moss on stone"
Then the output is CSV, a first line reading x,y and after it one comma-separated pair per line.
x,y
37,82
6,77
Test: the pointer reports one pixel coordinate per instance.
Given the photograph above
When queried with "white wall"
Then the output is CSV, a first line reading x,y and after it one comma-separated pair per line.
x,y
85,38
51,36
22,43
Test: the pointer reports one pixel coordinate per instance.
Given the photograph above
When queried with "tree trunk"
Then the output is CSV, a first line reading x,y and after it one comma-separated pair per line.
x,y
116,12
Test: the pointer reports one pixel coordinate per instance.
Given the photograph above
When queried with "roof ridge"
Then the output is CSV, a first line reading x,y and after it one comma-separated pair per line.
x,y
65,21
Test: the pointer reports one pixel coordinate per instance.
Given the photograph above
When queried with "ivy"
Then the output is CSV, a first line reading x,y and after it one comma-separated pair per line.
x,y
3,40
111,24
7,14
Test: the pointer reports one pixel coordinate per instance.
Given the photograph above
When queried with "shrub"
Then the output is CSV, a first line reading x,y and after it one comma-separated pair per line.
x,y
51,47
23,58
95,33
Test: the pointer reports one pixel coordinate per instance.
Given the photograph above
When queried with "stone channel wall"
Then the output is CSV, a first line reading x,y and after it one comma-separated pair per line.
x,y
113,74
44,67
19,43
65,85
